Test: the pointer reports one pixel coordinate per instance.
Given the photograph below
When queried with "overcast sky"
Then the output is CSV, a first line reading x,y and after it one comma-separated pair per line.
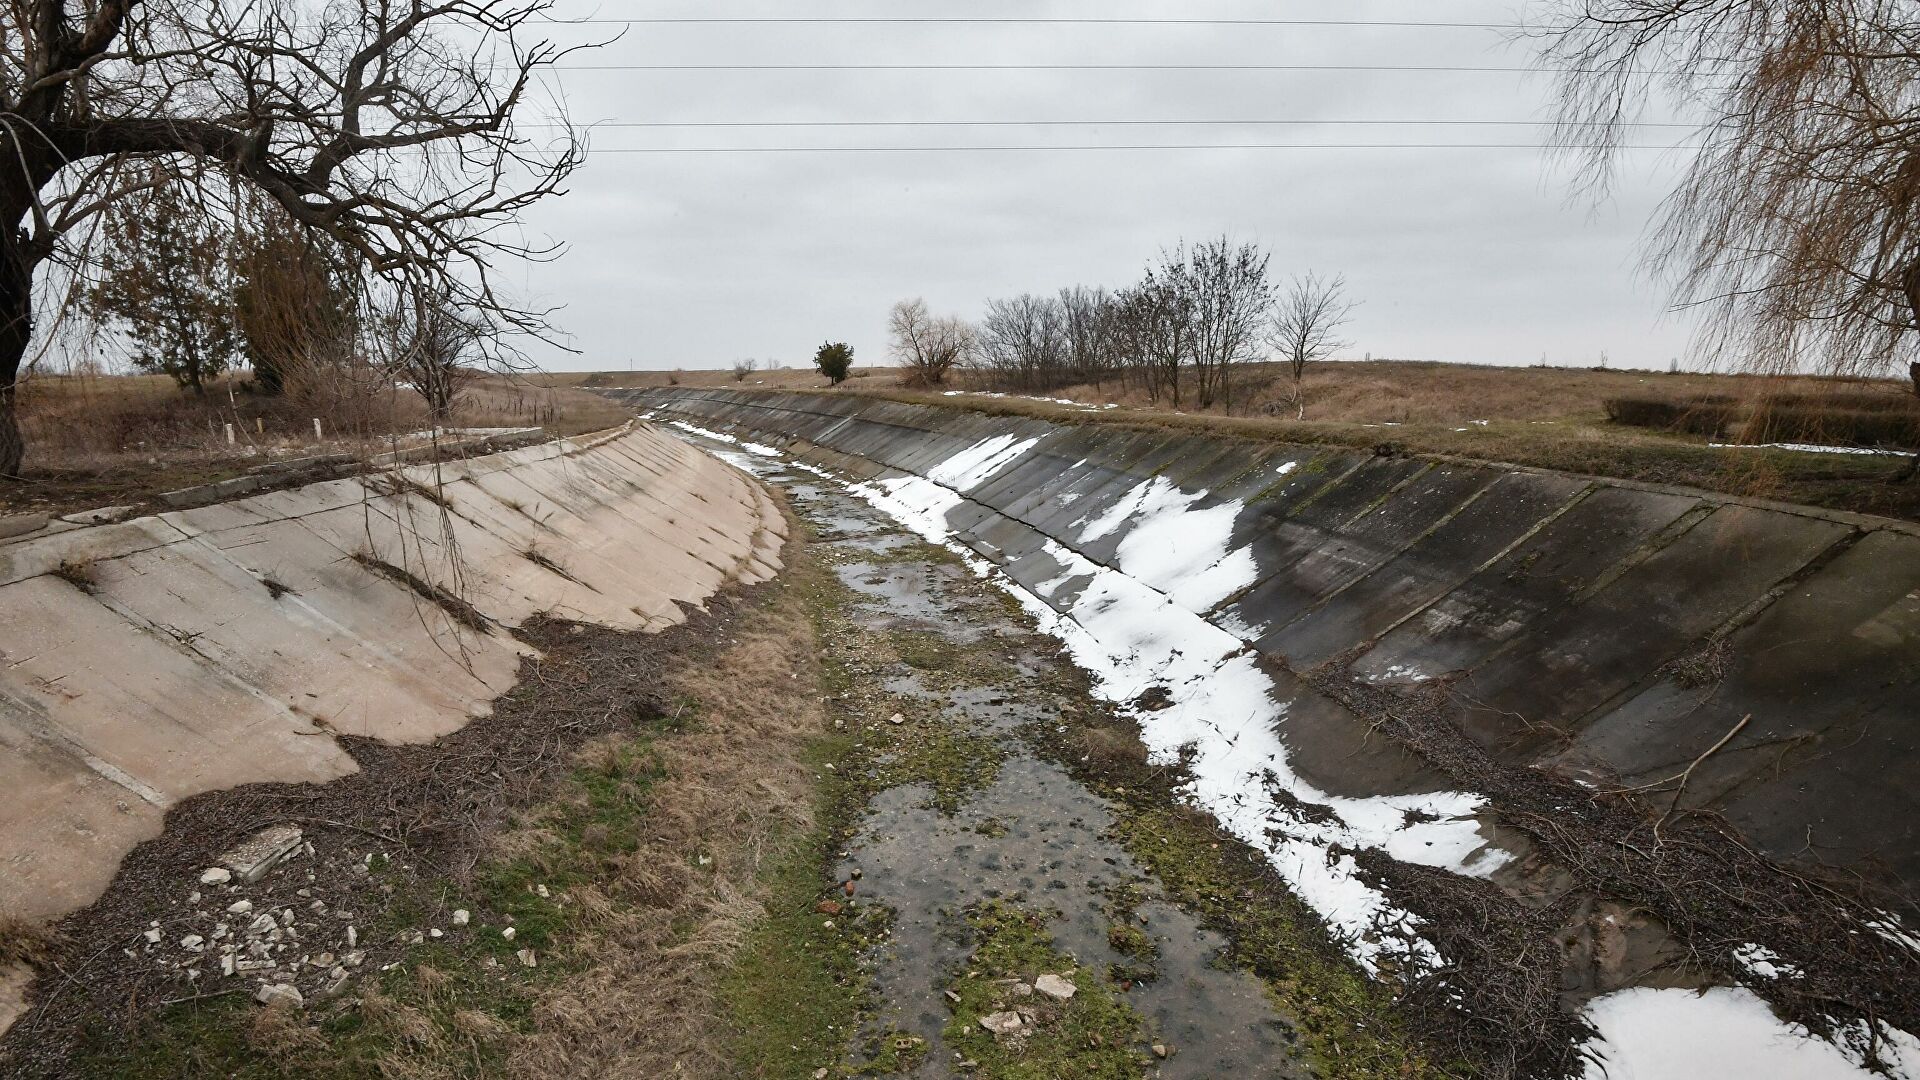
x,y
696,260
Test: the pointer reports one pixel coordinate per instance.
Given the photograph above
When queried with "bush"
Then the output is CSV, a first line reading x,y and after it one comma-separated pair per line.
x,y
1854,420
1696,416
835,360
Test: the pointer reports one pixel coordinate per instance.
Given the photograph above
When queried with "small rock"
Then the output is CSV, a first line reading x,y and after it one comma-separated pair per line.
x,y
1160,1050
273,992
356,958
353,937
215,875
896,718
227,965
436,933
152,936
193,943
262,924
819,1074
848,887
953,997
462,917
336,982
239,907
1054,987
507,933
323,960
827,907
1003,1023
526,958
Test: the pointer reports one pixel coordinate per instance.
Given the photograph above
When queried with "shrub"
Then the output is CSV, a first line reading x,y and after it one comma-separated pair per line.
x,y
1853,420
835,360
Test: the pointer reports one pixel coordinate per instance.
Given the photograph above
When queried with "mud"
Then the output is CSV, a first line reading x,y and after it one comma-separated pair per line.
x,y
1033,836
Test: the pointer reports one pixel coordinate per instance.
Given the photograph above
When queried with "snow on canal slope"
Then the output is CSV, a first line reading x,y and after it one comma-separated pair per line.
x,y
1134,626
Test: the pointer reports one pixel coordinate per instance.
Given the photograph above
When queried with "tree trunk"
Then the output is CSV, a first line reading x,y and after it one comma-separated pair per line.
x,y
16,332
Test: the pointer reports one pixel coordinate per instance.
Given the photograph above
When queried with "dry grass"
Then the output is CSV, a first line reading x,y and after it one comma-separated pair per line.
x,y
23,943
733,797
96,440
1354,392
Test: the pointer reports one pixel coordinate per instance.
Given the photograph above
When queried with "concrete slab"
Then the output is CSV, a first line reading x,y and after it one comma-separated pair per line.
x,y
1498,604
1426,570
1581,656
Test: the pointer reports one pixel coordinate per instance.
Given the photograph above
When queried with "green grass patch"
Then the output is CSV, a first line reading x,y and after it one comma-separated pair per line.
x,y
797,992
1095,1033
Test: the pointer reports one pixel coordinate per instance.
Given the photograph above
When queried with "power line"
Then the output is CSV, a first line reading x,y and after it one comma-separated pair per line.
x,y
1073,67
1102,147
1417,24
689,124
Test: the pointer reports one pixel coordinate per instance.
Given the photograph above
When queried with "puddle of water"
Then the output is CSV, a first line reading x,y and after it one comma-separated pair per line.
x,y
1034,836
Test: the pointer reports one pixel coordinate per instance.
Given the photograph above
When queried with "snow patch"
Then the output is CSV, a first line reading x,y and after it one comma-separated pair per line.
x,y
1724,1033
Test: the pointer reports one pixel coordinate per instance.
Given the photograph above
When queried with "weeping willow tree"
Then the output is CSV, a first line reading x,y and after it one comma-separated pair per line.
x,y
1795,232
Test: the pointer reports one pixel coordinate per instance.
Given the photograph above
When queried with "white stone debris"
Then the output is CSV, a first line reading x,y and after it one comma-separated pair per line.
x,y
251,859
1054,986
1004,1023
215,875
272,992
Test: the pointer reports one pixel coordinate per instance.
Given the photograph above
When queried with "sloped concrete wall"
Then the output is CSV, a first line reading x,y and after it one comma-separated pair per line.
x,y
1608,628
152,660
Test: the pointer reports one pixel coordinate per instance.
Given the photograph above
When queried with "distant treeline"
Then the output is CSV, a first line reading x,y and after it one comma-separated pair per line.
x,y
1196,317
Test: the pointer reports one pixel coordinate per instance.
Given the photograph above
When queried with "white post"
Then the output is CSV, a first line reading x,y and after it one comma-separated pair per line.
x,y
229,434
316,429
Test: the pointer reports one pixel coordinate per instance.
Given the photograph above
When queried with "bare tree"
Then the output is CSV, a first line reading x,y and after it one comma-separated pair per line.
x,y
387,124
1796,229
1229,298
427,342
1089,320
1155,332
744,368
928,346
1306,327
1023,343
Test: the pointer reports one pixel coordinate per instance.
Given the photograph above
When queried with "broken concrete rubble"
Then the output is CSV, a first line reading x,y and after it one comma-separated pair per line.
x,y
251,859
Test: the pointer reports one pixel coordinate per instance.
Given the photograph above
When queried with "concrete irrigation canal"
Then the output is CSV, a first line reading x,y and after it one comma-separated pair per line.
x,y
1555,758
819,736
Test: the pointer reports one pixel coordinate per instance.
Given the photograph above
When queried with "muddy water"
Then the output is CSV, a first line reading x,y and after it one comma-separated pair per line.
x,y
1033,836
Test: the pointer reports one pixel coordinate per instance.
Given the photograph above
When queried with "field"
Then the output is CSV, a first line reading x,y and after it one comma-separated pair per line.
x,y
1552,418
98,440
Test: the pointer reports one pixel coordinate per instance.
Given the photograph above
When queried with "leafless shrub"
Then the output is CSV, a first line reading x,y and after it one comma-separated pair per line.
x,y
744,368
